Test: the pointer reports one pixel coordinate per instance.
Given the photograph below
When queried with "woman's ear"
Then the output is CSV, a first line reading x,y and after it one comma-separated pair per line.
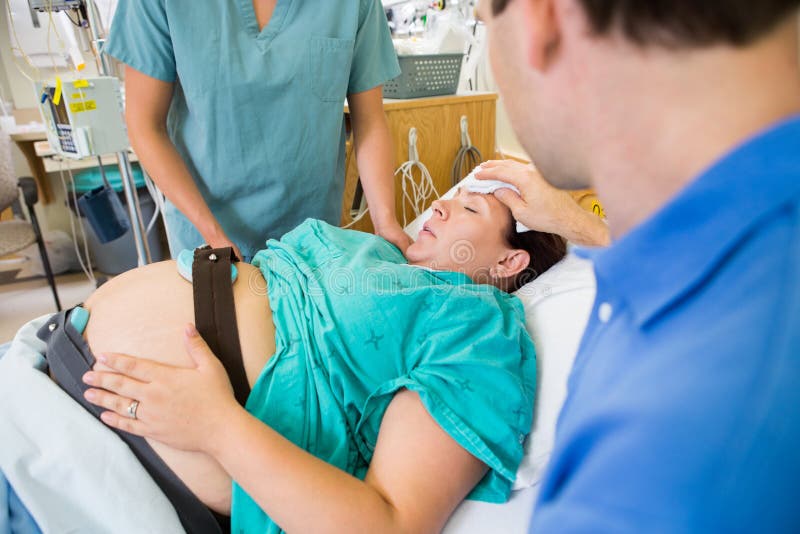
x,y
511,264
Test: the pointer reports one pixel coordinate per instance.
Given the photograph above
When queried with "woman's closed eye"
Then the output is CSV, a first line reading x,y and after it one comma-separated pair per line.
x,y
471,201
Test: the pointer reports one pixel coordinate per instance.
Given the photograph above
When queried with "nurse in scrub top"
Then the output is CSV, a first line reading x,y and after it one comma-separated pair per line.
x,y
235,109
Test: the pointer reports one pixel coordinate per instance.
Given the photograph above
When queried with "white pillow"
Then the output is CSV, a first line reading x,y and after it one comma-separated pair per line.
x,y
557,306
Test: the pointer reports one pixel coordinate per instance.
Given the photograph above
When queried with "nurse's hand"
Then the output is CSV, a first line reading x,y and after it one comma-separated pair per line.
x,y
180,407
394,234
222,242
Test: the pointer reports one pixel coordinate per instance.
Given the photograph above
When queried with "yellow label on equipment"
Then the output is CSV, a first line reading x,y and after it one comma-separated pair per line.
x,y
78,84
598,210
77,96
79,107
57,92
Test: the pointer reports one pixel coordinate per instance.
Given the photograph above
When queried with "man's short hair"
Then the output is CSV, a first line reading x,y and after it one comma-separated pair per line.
x,y
681,23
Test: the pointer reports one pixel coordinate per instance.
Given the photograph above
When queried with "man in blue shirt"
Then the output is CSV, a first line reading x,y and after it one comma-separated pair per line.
x,y
683,412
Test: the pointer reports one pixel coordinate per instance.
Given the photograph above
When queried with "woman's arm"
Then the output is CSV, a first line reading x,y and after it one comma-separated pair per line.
x,y
147,104
374,156
417,476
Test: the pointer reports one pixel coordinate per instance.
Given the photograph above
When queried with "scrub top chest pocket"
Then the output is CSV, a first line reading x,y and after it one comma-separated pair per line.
x,y
330,67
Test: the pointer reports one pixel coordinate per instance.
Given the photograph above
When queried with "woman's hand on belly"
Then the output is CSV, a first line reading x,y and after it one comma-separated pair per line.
x,y
143,312
182,407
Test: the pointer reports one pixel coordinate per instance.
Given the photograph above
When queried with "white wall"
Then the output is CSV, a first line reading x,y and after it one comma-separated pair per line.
x,y
20,89
15,87
5,86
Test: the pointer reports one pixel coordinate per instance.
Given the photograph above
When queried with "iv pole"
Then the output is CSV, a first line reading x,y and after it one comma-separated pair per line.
x,y
125,169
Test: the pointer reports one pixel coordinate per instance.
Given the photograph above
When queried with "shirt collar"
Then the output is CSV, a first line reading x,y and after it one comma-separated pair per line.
x,y
670,254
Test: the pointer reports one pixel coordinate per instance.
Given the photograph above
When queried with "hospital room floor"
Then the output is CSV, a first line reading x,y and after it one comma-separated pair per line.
x,y
22,301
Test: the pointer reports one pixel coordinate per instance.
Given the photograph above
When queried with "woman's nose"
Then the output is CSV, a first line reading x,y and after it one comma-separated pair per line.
x,y
439,209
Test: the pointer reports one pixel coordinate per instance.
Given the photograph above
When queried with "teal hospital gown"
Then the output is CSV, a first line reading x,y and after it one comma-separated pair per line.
x,y
354,323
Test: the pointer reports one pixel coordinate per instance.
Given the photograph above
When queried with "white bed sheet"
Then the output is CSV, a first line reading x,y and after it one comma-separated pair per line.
x,y
513,517
56,455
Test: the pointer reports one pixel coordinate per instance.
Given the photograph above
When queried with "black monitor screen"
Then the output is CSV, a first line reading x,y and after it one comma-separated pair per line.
x,y
59,111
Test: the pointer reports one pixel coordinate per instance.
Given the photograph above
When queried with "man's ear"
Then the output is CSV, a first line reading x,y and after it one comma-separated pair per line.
x,y
542,31
512,263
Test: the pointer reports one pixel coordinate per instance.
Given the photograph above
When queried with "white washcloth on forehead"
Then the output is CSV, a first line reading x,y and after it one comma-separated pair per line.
x,y
487,187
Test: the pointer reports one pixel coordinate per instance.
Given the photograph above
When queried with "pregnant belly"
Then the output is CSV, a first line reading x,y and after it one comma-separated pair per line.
x,y
143,313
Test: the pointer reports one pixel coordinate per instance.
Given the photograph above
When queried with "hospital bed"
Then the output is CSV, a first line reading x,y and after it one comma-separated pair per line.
x,y
58,485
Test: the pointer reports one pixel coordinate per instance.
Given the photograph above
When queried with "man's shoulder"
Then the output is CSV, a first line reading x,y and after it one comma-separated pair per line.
x,y
757,284
742,319
701,398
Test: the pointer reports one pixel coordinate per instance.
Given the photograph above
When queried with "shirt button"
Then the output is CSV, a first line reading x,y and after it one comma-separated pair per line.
x,y
604,312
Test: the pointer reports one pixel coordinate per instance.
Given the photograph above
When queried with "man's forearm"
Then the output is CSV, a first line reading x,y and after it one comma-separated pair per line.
x,y
579,226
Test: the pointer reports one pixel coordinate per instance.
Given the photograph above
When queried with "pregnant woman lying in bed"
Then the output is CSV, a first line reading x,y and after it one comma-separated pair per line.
x,y
385,389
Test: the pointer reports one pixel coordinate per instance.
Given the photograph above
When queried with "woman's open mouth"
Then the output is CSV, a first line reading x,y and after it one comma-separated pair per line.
x,y
426,230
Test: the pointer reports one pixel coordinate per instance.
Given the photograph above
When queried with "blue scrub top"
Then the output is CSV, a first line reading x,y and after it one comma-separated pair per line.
x,y
683,411
257,115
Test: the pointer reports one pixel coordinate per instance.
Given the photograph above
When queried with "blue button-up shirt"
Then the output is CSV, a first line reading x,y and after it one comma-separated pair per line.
x,y
683,412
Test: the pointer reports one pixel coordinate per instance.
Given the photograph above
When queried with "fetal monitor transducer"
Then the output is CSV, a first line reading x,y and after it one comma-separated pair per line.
x,y
186,260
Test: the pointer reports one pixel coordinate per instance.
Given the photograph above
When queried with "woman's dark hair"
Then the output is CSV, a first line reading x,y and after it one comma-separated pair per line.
x,y
544,249
679,23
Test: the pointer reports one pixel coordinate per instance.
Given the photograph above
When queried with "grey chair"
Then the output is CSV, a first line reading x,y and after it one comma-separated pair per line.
x,y
17,234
